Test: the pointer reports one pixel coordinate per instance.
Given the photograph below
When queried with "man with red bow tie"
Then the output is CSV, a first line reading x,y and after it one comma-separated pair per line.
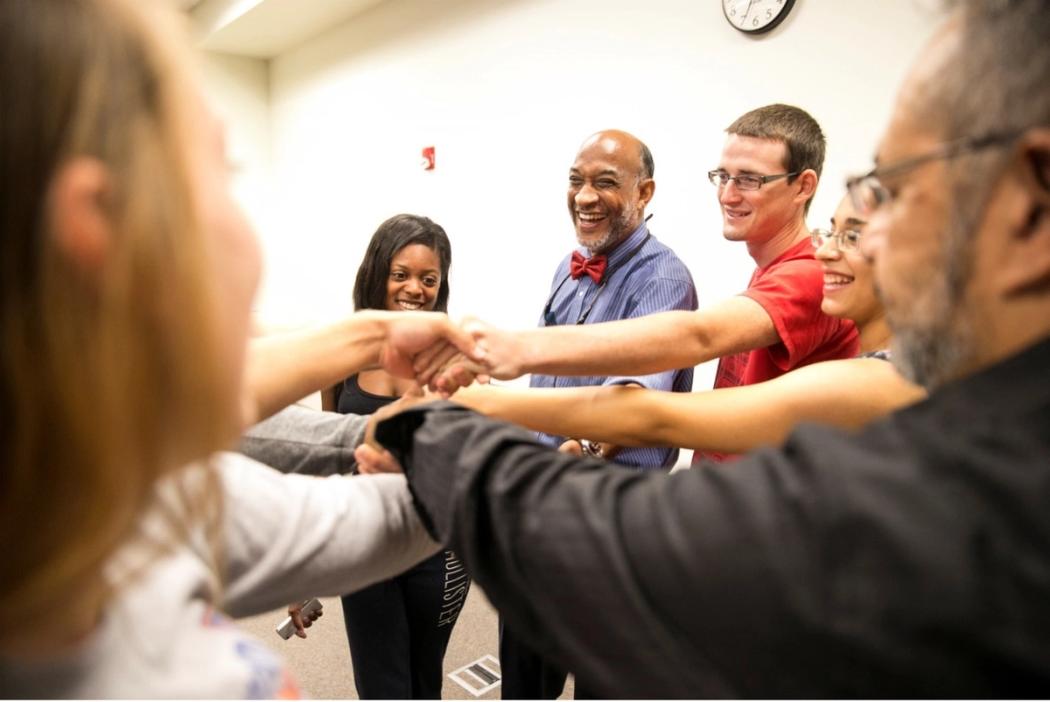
x,y
619,271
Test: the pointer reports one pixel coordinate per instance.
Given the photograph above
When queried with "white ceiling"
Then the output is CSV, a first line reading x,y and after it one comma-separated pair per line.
x,y
266,28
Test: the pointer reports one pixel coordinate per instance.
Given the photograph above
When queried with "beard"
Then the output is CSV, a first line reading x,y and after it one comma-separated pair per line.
x,y
619,229
935,347
931,356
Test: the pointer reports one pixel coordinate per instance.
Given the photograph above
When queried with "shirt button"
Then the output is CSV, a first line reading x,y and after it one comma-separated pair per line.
x,y
579,294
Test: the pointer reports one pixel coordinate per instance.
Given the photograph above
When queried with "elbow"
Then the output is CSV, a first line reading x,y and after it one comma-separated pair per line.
x,y
699,345
659,430
649,424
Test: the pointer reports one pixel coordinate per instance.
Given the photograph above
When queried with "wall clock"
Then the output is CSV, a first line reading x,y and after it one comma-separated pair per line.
x,y
756,16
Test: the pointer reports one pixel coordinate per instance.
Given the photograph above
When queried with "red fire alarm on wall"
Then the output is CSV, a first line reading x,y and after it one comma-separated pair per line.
x,y
428,158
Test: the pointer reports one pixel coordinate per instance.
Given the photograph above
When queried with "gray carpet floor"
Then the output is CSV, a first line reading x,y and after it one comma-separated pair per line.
x,y
321,662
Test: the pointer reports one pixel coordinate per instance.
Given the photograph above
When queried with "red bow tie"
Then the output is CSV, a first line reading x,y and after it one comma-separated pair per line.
x,y
593,266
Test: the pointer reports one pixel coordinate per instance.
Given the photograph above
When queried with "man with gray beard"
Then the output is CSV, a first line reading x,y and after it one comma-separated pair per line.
x,y
909,560
619,271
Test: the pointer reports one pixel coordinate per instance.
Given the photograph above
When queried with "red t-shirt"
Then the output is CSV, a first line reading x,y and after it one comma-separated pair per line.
x,y
790,290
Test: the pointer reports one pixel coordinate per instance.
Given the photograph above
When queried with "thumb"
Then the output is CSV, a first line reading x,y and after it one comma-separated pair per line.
x,y
466,340
473,326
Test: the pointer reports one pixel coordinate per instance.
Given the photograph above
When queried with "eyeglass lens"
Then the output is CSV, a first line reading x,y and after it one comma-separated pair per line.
x,y
744,181
846,240
868,194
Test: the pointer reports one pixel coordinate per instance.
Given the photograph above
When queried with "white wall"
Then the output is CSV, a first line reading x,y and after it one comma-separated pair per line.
x,y
506,91
238,89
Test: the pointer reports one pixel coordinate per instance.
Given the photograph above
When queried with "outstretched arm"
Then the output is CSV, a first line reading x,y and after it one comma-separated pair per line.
x,y
291,537
848,394
643,584
284,368
640,346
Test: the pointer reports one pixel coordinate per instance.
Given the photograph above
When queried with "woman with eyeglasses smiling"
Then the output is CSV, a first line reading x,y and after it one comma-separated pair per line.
x,y
847,393
849,290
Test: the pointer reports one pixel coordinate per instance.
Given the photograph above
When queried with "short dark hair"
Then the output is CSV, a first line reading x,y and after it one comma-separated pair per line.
x,y
648,168
393,235
796,128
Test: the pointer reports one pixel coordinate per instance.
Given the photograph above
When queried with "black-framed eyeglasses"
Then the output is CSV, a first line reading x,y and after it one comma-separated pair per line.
x,y
744,181
845,240
868,193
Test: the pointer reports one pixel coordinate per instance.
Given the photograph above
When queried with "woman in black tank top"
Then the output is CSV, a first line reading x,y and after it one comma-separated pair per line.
x,y
398,629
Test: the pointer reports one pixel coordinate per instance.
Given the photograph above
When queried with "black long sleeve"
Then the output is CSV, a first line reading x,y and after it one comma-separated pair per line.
x,y
910,560
610,570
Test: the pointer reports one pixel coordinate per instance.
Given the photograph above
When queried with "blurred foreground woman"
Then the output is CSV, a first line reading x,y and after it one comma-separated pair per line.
x,y
125,291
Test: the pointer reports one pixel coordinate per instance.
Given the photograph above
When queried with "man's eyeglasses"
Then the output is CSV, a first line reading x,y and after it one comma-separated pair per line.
x,y
868,192
845,240
744,181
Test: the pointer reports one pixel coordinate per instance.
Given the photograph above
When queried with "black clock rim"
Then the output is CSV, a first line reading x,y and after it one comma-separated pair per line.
x,y
788,4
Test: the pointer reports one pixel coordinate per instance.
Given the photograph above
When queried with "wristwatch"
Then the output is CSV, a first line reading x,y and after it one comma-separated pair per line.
x,y
591,448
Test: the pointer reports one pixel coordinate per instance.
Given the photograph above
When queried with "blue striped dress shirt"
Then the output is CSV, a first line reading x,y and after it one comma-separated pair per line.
x,y
653,280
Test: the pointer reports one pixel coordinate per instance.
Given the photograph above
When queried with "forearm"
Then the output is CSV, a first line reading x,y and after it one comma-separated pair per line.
x,y
650,344
285,368
626,416
847,394
610,414
301,440
639,346
292,537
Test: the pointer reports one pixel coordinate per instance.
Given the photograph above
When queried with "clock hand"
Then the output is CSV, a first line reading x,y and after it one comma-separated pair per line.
x,y
743,18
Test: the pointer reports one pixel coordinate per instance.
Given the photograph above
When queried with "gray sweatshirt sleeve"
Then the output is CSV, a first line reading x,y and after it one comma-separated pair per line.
x,y
290,537
302,440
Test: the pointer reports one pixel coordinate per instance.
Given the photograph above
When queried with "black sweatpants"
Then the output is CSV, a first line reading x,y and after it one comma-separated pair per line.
x,y
398,629
529,676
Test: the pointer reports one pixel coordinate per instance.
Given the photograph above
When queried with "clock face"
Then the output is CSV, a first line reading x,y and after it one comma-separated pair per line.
x,y
756,16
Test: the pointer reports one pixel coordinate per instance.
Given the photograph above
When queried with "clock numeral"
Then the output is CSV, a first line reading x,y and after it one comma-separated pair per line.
x,y
754,16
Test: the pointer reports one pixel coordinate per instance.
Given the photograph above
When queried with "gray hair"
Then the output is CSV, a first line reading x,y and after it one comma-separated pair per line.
x,y
994,83
998,78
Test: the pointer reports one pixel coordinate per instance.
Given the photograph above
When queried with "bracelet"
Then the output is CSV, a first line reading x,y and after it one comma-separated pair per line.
x,y
591,448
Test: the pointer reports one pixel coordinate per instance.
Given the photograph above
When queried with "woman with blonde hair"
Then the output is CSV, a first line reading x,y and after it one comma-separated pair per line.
x,y
126,278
